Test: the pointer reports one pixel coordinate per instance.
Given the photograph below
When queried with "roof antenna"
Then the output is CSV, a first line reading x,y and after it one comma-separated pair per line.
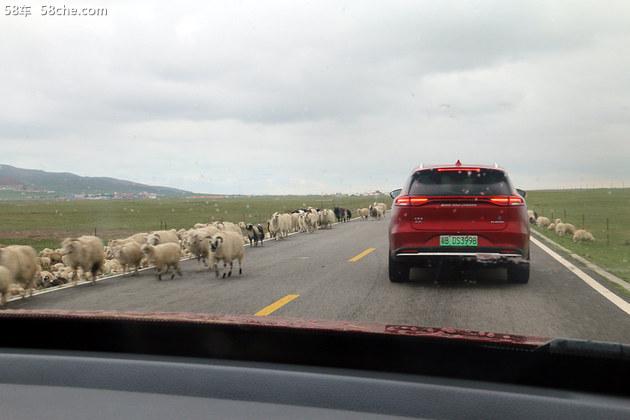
x,y
458,163
421,165
496,165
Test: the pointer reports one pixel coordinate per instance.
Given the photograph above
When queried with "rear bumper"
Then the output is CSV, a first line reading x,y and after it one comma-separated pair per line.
x,y
488,256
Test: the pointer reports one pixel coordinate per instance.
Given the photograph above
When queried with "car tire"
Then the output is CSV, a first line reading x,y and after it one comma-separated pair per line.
x,y
398,273
518,273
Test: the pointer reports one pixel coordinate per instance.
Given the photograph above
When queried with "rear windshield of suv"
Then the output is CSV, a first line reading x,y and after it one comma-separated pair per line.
x,y
484,182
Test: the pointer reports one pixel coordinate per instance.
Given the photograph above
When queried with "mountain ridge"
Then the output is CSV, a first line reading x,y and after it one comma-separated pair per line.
x,y
13,178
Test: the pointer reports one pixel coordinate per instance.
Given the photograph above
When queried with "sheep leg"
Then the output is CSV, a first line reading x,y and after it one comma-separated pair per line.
x,y
159,273
231,266
224,265
177,270
240,266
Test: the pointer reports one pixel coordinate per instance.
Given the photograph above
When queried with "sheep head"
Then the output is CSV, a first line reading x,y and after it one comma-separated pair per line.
x,y
216,243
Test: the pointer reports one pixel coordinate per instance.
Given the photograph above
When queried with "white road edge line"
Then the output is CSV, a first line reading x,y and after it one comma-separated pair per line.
x,y
613,298
114,276
608,276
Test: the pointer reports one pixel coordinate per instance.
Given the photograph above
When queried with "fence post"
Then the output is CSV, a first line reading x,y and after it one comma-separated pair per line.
x,y
552,218
607,233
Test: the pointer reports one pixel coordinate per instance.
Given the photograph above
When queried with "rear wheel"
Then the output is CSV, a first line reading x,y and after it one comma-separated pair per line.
x,y
518,273
398,273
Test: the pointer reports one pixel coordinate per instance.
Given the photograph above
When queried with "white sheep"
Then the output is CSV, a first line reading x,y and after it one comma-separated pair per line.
x,y
46,279
57,267
302,226
582,235
139,238
21,261
230,227
63,276
164,257
280,225
85,252
285,224
561,229
557,221
383,206
552,226
54,255
227,247
129,255
531,215
543,221
376,212
363,213
44,263
569,228
311,220
199,244
162,237
295,222
6,280
327,218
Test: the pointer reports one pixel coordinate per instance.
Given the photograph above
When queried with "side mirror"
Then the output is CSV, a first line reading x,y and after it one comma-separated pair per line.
x,y
395,193
522,193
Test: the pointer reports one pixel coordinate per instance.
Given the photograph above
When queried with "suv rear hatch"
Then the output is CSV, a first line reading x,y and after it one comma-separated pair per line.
x,y
465,200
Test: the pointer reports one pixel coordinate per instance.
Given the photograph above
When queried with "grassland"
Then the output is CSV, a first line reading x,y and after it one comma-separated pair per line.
x,y
591,209
43,224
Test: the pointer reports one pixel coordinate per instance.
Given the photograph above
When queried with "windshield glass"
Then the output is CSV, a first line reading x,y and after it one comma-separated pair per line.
x,y
236,158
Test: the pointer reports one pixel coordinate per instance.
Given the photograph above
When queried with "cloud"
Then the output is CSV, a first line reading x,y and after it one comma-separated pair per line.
x,y
300,97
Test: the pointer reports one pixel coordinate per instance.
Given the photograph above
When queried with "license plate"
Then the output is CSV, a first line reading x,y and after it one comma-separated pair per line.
x,y
458,240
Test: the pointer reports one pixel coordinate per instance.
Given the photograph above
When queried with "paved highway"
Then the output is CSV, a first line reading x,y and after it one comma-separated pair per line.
x,y
341,274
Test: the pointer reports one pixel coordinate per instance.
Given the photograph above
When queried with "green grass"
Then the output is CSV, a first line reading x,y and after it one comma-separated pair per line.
x,y
611,249
43,224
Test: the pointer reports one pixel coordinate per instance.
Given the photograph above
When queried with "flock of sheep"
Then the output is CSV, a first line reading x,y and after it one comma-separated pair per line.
x,y
560,228
22,269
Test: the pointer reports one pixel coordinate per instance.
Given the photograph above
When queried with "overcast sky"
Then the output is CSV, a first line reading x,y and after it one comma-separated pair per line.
x,y
257,97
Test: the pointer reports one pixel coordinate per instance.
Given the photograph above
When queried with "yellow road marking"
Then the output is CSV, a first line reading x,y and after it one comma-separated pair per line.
x,y
276,305
361,255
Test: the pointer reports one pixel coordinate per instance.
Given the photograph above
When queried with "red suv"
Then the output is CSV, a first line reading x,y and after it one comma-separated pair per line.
x,y
459,214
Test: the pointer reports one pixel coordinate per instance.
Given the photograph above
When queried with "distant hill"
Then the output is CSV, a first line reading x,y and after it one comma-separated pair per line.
x,y
15,181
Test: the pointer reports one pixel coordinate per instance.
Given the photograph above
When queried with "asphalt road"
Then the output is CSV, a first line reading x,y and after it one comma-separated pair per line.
x,y
316,267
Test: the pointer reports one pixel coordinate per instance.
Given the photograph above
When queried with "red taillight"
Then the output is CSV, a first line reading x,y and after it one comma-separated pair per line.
x,y
513,200
407,200
459,169
402,201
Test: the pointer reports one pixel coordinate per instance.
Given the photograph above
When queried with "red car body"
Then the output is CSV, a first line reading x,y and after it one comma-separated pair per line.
x,y
459,214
